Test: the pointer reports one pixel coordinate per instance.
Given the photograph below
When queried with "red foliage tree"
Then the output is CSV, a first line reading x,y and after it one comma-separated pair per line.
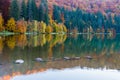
x,y
4,8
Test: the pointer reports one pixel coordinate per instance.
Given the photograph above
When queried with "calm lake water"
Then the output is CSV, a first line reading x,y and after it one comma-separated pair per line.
x,y
65,57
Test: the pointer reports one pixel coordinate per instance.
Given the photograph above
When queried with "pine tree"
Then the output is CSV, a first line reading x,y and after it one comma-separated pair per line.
x,y
100,19
29,11
34,10
56,14
14,10
46,17
23,12
41,12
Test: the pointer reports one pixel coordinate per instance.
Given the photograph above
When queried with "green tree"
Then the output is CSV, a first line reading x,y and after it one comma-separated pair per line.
x,y
41,12
100,19
34,10
29,11
46,17
23,13
56,14
14,10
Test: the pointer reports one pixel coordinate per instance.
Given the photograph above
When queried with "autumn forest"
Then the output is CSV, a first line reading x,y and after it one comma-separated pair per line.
x,y
40,16
59,39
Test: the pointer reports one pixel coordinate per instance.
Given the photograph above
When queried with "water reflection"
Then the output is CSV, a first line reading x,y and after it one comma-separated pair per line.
x,y
104,49
72,74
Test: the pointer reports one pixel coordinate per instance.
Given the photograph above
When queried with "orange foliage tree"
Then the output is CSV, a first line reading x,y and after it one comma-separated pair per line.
x,y
21,40
21,26
1,45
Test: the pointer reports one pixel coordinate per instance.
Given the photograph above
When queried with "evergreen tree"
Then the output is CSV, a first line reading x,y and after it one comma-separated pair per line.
x,y
46,17
34,10
56,14
14,10
41,12
99,19
23,12
29,11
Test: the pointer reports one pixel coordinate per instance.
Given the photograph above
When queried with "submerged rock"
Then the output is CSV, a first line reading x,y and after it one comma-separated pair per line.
x,y
19,61
77,58
39,59
57,59
66,58
88,57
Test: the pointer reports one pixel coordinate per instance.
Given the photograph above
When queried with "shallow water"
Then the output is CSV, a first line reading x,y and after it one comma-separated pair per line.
x,y
64,57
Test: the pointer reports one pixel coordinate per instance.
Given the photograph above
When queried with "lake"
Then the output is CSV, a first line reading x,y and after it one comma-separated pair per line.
x,y
63,57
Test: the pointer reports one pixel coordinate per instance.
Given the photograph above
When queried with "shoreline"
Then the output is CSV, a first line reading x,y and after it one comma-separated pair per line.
x,y
12,33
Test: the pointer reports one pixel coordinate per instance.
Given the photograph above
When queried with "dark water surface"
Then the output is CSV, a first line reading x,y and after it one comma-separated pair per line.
x,y
65,57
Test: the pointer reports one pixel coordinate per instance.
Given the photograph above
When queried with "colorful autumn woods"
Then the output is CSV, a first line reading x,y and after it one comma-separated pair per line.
x,y
30,18
34,26
35,16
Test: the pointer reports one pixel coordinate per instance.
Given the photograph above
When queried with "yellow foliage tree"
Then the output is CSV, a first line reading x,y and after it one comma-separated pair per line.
x,y
11,25
48,29
55,26
58,28
64,28
11,42
1,23
42,40
42,27
48,37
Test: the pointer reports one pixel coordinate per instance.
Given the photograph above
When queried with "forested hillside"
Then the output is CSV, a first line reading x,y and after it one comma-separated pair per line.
x,y
105,6
88,16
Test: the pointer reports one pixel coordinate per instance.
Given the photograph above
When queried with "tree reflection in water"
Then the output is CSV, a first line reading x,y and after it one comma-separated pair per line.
x,y
104,49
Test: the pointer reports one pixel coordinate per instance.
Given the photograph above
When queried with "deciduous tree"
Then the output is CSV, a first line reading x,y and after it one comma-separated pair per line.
x,y
11,25
1,23
21,26
4,9
48,29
